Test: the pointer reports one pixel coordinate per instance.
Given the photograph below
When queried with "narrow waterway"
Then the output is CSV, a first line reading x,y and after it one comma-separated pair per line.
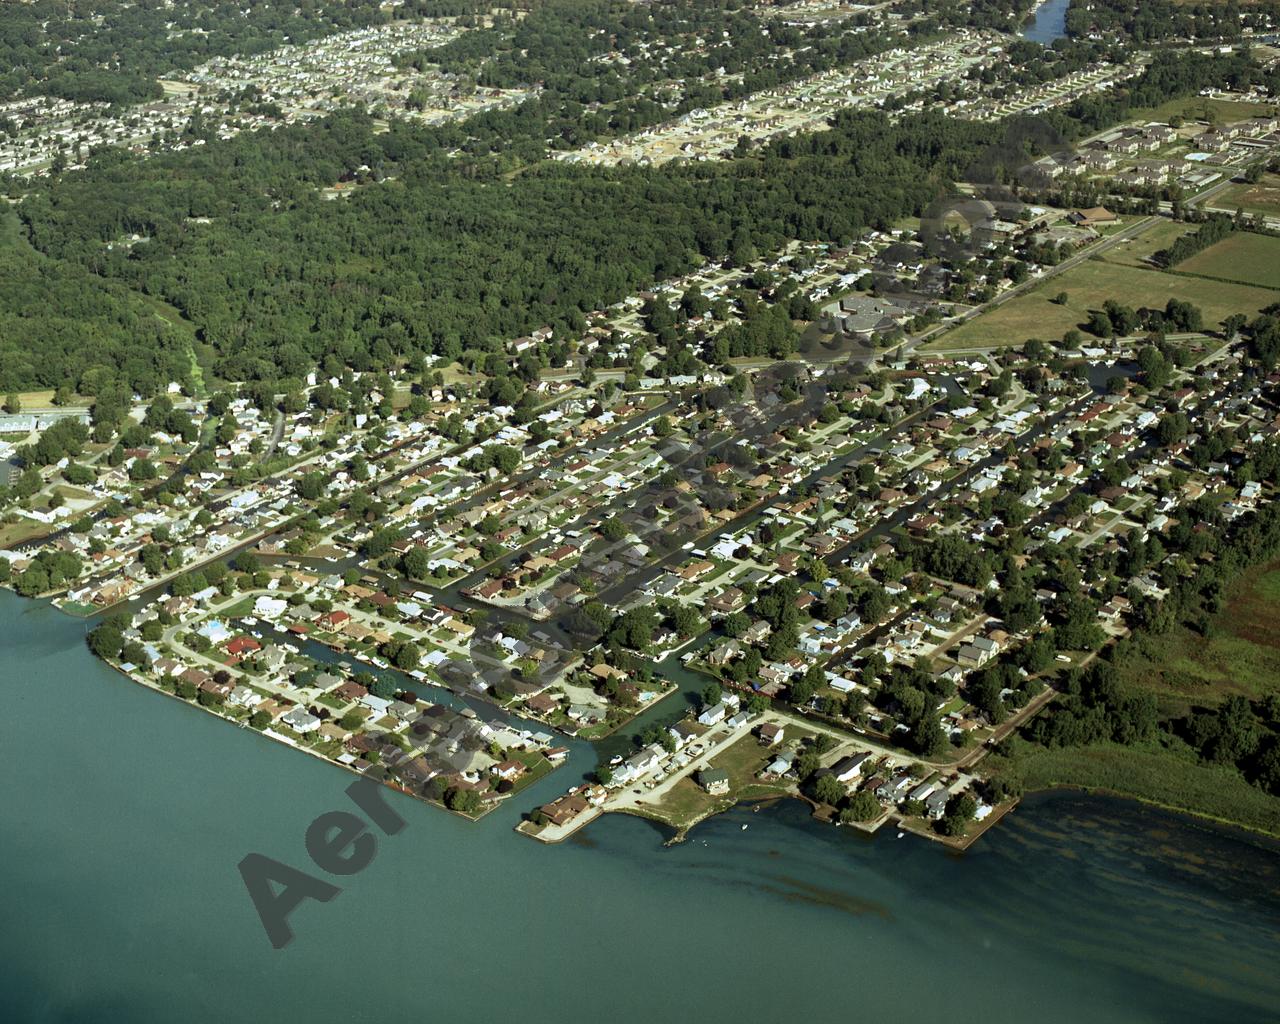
x,y
1049,22
125,815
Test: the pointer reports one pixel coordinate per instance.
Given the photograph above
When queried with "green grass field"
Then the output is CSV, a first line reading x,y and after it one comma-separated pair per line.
x,y
1199,108
1136,251
1262,197
1088,286
1242,257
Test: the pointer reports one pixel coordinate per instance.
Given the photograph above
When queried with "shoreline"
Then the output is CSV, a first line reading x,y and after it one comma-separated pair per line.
x,y
284,742
1200,817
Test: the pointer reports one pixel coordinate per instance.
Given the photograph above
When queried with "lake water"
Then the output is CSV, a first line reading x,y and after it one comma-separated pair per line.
x,y
125,814
1050,22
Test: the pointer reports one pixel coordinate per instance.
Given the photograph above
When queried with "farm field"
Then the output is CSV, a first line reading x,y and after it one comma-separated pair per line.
x,y
1087,287
1254,259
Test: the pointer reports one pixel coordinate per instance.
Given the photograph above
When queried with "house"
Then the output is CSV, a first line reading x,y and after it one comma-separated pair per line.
x,y
586,714
849,768
713,715
771,734
242,696
540,703
922,791
351,690
757,632
509,771
978,652
243,645
936,803
683,733
301,720
723,653
714,780
781,764
894,789
564,810
216,688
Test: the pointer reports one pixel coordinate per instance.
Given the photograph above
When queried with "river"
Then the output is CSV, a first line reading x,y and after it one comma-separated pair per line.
x,y
1049,22
125,815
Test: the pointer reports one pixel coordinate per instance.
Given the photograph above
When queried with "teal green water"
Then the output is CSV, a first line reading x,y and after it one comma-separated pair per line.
x,y
124,816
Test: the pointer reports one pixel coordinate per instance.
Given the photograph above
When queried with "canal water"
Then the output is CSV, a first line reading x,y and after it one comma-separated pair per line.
x,y
1049,22
125,814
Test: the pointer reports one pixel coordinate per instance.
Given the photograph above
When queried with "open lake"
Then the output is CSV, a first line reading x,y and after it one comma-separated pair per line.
x,y
125,815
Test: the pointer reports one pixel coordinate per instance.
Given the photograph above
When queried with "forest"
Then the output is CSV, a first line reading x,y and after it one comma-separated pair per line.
x,y
441,262
458,237
61,323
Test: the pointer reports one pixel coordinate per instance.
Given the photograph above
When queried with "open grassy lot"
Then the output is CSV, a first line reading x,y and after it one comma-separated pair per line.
x,y
1261,197
1137,251
1242,257
1200,108
1088,286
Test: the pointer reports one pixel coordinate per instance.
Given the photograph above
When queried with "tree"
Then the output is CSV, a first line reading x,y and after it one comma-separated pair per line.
x,y
142,470
106,640
961,810
417,563
862,807
807,764
312,486
464,801
407,657
829,790
927,737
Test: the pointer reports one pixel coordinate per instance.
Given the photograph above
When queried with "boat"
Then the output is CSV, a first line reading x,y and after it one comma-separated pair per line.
x,y
744,828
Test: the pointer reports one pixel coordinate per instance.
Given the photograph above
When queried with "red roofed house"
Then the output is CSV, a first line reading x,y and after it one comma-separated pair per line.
x,y
243,645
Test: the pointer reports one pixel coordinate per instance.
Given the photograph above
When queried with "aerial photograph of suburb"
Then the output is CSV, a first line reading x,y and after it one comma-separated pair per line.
x,y
640,511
